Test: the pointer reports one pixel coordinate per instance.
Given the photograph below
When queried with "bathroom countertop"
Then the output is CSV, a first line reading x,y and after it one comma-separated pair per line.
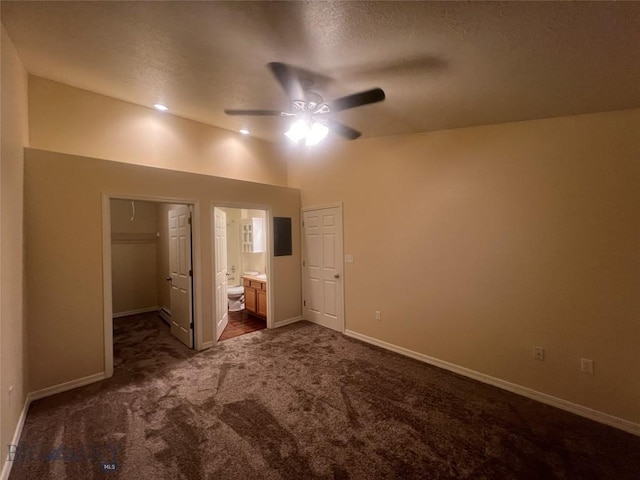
x,y
255,278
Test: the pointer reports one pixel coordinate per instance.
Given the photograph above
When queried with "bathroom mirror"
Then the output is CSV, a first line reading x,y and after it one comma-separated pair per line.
x,y
281,236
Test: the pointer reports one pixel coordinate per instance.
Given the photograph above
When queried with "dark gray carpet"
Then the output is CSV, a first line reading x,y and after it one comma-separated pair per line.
x,y
302,402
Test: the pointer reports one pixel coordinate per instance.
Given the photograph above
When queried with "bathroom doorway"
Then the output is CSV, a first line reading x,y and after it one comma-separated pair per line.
x,y
241,260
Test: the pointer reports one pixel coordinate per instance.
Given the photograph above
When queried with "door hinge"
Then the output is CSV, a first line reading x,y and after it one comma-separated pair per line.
x,y
303,223
191,325
304,263
304,303
189,220
191,273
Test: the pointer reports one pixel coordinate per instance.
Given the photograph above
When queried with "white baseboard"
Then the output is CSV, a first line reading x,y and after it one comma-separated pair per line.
x,y
135,312
581,410
6,468
165,315
206,345
63,387
287,321
38,394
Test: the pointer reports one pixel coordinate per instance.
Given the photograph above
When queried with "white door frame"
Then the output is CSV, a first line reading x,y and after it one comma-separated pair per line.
x,y
269,251
107,294
304,283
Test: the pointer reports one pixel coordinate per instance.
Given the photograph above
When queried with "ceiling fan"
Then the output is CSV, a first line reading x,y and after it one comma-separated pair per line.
x,y
311,112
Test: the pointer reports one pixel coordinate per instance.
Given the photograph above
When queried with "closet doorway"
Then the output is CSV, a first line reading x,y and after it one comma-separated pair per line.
x,y
148,260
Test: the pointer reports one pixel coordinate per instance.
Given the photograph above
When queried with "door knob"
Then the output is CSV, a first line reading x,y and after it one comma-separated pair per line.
x,y
337,275
169,279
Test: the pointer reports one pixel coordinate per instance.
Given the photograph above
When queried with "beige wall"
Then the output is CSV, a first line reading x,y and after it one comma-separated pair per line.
x,y
134,252
14,136
63,228
502,237
71,120
141,218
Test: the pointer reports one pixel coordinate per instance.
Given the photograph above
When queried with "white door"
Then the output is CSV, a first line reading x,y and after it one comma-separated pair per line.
x,y
181,274
322,267
220,266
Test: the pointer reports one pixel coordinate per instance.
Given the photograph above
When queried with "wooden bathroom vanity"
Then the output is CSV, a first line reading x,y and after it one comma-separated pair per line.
x,y
255,295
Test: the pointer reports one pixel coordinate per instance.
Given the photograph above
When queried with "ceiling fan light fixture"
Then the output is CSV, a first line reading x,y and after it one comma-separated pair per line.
x,y
298,130
316,134
308,106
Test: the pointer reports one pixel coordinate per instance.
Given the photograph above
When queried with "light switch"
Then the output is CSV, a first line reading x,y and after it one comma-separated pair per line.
x,y
348,258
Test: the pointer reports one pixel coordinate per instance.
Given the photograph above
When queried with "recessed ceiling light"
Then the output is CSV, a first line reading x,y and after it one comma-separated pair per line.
x,y
244,131
161,107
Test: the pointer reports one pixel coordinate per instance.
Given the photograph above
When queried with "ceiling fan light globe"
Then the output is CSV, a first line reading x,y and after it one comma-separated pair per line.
x,y
316,134
298,130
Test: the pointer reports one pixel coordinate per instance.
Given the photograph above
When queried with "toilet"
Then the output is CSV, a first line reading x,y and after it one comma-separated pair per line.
x,y
235,294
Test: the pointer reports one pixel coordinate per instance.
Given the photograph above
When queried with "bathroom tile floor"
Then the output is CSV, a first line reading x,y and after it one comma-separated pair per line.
x,y
240,323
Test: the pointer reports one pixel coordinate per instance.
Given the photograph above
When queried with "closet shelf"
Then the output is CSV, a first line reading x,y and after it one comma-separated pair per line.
x,y
134,238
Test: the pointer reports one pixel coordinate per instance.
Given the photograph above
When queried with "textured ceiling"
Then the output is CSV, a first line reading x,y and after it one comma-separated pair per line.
x,y
442,64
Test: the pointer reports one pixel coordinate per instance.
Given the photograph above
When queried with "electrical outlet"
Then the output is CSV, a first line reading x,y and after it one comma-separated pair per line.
x,y
378,315
538,353
586,365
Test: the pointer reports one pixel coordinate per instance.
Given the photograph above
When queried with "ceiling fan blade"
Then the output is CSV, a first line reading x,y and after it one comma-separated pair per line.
x,y
288,80
275,113
343,130
357,99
